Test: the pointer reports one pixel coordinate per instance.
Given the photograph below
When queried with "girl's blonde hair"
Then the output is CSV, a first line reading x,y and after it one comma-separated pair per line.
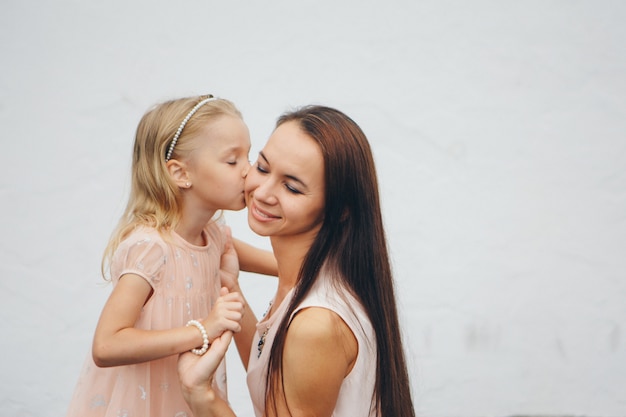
x,y
154,199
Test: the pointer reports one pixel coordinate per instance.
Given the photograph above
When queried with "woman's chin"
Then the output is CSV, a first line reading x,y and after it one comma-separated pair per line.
x,y
258,230
257,227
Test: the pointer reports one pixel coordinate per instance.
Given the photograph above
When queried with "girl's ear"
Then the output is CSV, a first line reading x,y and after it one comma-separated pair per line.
x,y
178,173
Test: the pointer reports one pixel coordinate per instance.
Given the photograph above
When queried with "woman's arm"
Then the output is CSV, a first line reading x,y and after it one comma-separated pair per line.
x,y
320,351
229,277
118,342
314,368
253,259
196,375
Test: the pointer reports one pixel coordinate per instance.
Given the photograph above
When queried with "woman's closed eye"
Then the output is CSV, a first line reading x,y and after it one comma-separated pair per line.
x,y
292,189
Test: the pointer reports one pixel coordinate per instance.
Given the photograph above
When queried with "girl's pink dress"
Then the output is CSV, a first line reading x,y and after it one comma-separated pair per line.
x,y
185,281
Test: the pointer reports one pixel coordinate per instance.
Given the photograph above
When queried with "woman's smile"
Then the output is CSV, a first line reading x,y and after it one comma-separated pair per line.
x,y
261,215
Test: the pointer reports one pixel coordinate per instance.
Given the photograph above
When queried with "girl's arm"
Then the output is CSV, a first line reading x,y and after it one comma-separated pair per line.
x,y
118,342
253,259
320,351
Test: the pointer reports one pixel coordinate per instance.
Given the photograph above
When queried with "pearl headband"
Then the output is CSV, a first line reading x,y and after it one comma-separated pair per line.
x,y
170,149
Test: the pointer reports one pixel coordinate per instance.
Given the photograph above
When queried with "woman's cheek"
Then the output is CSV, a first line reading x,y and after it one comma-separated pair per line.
x,y
250,181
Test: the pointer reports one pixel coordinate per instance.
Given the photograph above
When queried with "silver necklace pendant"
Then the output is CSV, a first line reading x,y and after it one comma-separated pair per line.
x,y
259,346
261,343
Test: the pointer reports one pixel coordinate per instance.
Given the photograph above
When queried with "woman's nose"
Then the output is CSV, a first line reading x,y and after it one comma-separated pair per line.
x,y
263,191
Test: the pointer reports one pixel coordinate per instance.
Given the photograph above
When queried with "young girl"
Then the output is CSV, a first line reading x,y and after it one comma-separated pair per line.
x,y
190,160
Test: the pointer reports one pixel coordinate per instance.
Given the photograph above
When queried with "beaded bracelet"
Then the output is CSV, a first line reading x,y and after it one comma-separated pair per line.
x,y
205,337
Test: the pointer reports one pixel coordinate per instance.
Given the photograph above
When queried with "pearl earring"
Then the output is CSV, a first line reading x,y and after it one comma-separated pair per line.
x,y
188,184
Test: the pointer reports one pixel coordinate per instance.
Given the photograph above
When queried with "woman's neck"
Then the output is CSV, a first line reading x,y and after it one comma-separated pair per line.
x,y
290,254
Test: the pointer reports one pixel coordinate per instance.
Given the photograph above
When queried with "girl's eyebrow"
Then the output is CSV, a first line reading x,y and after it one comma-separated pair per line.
x,y
232,149
291,177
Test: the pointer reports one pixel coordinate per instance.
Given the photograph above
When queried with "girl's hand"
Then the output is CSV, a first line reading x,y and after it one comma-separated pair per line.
x,y
229,263
226,314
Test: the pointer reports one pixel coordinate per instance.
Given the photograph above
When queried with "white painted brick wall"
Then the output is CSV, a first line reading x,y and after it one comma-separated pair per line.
x,y
499,129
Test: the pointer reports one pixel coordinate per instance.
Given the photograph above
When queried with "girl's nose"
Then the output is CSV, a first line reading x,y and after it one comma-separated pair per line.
x,y
246,169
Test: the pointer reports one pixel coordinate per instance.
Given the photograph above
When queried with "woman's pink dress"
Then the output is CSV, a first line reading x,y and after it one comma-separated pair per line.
x,y
357,389
185,281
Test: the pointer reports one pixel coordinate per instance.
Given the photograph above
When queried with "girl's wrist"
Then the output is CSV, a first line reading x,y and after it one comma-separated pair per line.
x,y
203,333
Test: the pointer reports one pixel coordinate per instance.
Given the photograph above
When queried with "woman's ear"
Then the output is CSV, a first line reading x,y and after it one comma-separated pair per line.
x,y
178,173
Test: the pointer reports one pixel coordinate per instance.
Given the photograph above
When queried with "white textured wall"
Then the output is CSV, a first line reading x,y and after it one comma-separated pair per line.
x,y
499,128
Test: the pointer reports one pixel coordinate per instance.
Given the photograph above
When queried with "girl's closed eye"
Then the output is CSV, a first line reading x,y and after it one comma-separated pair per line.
x,y
235,160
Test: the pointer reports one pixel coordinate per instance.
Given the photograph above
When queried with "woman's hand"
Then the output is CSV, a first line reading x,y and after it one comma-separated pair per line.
x,y
195,374
229,263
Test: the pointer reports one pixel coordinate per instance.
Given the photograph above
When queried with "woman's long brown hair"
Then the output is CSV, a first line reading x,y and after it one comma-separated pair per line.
x,y
352,242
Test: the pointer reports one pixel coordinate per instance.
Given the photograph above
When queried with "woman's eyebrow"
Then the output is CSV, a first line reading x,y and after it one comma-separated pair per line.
x,y
291,177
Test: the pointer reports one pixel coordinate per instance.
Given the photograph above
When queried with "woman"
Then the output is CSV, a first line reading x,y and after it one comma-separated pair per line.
x,y
314,192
